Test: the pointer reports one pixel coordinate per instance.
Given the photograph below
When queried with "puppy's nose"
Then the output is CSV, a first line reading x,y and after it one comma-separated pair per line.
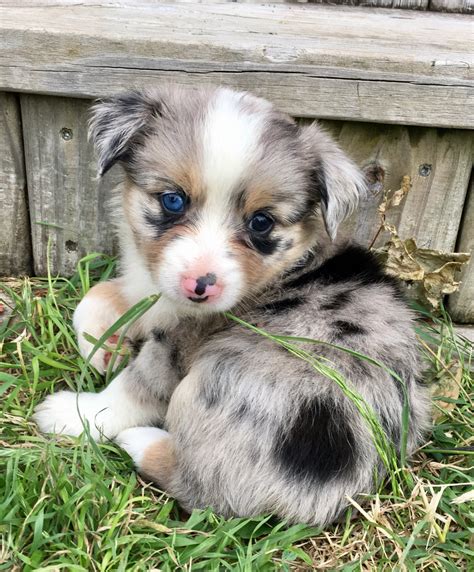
x,y
201,288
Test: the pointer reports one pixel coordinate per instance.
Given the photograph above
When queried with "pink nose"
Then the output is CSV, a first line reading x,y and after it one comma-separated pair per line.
x,y
201,288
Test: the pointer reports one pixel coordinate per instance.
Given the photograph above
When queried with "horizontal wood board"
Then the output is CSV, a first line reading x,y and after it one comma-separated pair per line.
x,y
388,66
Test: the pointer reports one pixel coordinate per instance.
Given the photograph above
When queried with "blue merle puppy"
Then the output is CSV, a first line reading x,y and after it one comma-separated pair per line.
x,y
228,204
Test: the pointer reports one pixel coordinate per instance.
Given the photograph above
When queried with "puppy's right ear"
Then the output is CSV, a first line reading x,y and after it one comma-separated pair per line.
x,y
118,124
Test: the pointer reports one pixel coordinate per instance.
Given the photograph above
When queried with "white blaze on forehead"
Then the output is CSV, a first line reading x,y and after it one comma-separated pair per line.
x,y
230,140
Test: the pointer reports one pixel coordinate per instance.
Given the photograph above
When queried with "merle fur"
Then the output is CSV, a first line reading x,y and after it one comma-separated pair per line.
x,y
352,264
319,444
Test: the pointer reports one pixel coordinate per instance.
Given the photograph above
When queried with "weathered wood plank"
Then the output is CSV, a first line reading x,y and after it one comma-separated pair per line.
x,y
311,60
461,304
402,4
455,6
15,245
68,205
298,95
216,34
439,165
459,6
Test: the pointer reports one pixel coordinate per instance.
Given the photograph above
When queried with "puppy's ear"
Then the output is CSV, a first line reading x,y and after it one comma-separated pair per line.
x,y
336,178
117,126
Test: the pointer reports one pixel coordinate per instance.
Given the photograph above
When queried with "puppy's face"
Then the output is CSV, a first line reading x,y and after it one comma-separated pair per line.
x,y
222,191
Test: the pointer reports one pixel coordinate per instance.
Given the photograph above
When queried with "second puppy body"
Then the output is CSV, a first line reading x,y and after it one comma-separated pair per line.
x,y
221,210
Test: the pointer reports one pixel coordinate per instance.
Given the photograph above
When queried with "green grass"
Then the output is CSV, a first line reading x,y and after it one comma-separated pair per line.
x,y
74,505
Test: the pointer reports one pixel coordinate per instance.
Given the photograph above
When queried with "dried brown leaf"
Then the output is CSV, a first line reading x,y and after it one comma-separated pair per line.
x,y
402,192
431,274
449,385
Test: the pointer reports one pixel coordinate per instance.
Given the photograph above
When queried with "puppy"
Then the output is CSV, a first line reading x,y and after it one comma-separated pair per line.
x,y
228,204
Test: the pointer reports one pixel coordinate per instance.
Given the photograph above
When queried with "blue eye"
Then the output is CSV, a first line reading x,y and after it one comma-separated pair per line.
x,y
173,202
261,223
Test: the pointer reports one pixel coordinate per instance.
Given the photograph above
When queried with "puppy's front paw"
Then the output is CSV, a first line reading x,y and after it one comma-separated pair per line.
x,y
66,413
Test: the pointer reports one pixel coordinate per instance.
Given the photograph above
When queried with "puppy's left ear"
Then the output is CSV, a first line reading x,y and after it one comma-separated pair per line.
x,y
336,178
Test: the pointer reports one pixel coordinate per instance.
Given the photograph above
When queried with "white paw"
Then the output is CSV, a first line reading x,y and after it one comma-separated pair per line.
x,y
66,413
137,440
107,413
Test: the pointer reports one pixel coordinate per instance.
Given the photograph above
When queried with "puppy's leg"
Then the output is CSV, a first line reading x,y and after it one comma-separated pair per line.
x,y
97,311
152,451
137,396
239,443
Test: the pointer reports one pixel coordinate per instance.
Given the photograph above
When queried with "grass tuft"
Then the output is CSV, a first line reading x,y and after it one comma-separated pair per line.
x,y
70,504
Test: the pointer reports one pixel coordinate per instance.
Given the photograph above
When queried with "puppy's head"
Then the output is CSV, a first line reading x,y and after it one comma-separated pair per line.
x,y
222,192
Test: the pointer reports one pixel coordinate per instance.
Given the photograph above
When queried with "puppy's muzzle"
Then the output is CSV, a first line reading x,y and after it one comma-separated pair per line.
x,y
202,288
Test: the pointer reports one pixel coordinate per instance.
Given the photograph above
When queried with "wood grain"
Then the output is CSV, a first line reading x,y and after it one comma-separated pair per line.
x,y
433,208
68,206
402,4
461,304
438,163
459,6
15,246
386,66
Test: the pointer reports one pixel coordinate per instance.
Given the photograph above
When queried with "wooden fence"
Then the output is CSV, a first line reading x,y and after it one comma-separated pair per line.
x,y
455,6
395,87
